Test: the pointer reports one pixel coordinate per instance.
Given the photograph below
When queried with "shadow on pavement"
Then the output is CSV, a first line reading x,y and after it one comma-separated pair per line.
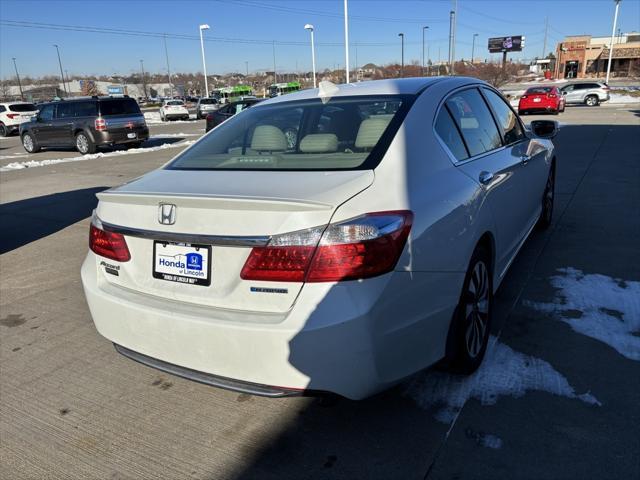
x,y
25,221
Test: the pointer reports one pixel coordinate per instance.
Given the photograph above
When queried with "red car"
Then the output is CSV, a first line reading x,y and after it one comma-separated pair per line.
x,y
541,99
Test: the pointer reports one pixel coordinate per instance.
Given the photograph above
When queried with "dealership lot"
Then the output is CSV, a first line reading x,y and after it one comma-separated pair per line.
x,y
549,402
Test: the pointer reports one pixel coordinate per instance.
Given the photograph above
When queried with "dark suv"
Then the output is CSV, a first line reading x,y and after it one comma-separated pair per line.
x,y
86,123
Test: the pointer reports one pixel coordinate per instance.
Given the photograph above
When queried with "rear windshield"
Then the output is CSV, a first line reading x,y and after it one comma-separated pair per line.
x,y
344,133
534,90
175,102
23,107
208,101
119,106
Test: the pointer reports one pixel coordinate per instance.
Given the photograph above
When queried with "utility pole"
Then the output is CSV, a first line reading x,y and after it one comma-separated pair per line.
x,y
613,32
144,81
275,76
423,30
18,77
453,43
346,40
546,31
452,15
473,47
166,54
401,35
246,64
64,85
204,63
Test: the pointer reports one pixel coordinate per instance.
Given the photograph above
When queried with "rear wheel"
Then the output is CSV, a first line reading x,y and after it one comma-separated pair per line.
x,y
4,131
84,144
29,143
548,196
469,333
591,100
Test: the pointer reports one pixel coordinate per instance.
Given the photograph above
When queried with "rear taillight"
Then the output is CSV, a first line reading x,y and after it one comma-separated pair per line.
x,y
12,115
363,247
551,95
210,116
100,124
523,96
108,244
606,88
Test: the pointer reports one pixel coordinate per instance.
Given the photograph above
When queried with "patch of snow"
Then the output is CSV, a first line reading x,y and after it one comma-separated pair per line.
x,y
619,98
173,135
132,151
14,155
503,372
604,308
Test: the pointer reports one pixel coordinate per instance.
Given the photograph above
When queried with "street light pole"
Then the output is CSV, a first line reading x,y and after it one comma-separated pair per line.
x,y
144,81
246,65
18,77
613,32
401,35
423,30
204,63
309,27
166,54
275,76
346,40
451,20
473,47
64,85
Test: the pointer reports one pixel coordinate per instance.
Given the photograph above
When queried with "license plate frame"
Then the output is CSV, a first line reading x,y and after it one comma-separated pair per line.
x,y
537,100
176,276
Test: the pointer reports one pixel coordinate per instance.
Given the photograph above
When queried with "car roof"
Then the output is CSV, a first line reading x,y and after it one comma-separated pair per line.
x,y
397,86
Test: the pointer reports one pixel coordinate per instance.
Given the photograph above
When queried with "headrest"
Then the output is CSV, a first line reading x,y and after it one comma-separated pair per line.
x,y
267,138
469,123
319,143
371,130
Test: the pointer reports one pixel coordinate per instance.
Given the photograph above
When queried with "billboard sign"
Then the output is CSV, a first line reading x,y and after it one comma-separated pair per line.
x,y
506,44
115,90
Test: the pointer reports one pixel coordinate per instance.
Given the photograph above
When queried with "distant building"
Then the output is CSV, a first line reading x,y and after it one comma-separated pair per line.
x,y
584,56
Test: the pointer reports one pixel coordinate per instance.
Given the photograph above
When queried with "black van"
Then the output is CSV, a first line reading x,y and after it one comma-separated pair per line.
x,y
86,123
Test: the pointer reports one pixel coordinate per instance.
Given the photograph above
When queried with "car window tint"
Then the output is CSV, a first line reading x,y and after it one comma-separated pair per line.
x,y
22,107
474,120
2,108
508,121
447,131
120,106
46,112
65,110
86,109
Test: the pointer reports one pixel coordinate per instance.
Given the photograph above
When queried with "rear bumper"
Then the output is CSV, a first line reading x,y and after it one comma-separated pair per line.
x,y
537,107
338,338
110,138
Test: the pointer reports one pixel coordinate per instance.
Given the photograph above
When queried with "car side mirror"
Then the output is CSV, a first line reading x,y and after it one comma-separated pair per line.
x,y
544,128
564,93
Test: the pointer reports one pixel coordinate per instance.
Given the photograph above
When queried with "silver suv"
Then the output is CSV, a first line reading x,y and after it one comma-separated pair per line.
x,y
591,94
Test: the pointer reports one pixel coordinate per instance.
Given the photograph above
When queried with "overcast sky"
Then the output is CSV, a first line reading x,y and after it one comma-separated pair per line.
x,y
244,31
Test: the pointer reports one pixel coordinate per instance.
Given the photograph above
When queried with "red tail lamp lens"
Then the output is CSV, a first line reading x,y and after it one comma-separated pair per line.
x,y
108,244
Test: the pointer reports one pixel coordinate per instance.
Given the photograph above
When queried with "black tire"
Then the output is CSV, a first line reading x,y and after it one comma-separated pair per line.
x,y
84,145
163,118
520,112
469,331
30,145
592,101
548,197
4,131
556,112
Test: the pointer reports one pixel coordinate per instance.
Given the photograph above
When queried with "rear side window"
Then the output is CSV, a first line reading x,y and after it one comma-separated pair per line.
x,y
46,112
447,131
119,106
473,118
23,107
86,109
65,110
511,128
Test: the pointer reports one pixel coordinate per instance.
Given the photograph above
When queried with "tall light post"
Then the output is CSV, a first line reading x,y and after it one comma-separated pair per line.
x,y
452,15
613,32
473,47
166,54
346,40
18,77
423,30
144,81
246,66
204,63
309,27
401,35
64,85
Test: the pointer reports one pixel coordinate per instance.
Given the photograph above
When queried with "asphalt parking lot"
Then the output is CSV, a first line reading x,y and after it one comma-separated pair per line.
x,y
556,397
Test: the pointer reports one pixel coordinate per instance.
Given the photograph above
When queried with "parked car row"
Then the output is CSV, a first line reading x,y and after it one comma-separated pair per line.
x,y
551,99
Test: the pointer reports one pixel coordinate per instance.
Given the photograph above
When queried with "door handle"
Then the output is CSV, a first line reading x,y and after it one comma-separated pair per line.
x,y
485,177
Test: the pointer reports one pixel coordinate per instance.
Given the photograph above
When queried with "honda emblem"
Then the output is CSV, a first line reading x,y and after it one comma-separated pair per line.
x,y
167,214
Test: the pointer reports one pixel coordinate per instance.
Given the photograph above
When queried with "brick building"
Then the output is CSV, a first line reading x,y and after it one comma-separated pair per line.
x,y
584,56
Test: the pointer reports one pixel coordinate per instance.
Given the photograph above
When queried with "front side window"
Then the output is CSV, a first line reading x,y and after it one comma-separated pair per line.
x,y
447,131
46,113
473,118
342,134
508,121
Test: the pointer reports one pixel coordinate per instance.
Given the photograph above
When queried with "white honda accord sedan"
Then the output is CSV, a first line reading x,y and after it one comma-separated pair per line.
x,y
332,240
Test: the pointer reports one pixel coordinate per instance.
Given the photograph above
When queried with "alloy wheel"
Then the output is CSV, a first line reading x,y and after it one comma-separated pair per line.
x,y
27,143
82,143
3,131
477,309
